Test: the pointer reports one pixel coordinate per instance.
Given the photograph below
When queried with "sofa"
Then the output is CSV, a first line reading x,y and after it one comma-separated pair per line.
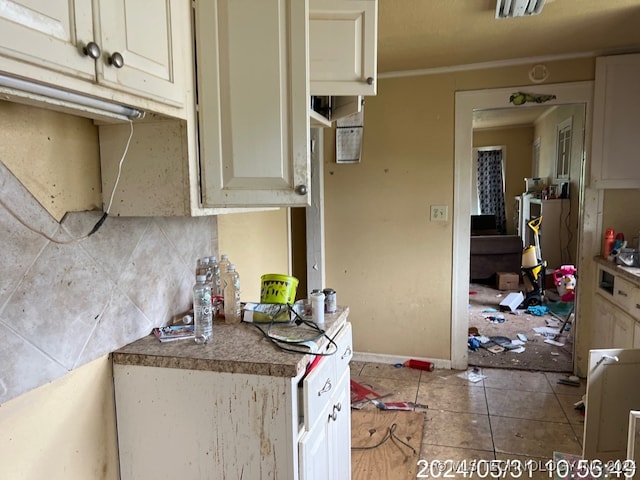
x,y
490,252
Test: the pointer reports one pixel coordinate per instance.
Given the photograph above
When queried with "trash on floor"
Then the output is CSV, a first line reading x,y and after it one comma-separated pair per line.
x,y
537,310
364,392
473,375
406,406
571,380
512,301
495,318
523,337
554,342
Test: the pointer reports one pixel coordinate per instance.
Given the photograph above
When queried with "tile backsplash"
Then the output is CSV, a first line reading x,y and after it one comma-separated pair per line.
x,y
63,305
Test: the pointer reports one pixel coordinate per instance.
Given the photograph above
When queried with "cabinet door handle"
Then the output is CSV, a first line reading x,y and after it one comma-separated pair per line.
x,y
92,50
338,406
117,60
326,388
622,294
369,80
333,416
346,353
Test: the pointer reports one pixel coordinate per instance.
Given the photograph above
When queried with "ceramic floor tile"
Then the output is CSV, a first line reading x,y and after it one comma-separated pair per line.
x,y
522,466
519,404
576,417
516,380
451,377
452,398
453,462
385,370
356,367
461,430
532,437
565,389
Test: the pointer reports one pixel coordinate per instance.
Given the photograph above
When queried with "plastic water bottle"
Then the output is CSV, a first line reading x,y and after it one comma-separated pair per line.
x,y
223,265
232,308
202,310
214,273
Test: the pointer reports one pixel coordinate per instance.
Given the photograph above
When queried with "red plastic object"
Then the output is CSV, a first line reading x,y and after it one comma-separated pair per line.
x,y
608,242
419,365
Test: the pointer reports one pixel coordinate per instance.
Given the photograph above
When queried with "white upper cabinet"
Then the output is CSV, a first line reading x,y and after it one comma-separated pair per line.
x,y
253,102
343,47
100,48
616,115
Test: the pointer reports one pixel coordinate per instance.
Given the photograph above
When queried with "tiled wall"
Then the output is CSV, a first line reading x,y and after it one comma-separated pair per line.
x,y
62,306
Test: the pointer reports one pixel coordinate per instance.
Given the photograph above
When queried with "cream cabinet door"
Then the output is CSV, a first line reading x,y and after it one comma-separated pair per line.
x,y
253,101
141,48
612,392
47,33
615,147
343,47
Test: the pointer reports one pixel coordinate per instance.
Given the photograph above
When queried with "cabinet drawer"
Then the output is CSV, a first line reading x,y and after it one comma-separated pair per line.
x,y
343,342
624,293
317,389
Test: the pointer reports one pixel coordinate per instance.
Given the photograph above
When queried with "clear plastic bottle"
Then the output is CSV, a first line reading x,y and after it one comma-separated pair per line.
x,y
202,310
232,308
213,276
223,264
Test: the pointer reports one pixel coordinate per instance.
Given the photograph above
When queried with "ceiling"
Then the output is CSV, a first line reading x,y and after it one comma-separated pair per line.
x,y
425,34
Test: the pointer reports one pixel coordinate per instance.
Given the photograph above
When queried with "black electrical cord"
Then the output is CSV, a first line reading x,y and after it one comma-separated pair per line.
x,y
390,435
278,342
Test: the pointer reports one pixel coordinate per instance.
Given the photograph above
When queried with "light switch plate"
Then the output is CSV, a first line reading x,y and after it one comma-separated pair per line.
x,y
439,213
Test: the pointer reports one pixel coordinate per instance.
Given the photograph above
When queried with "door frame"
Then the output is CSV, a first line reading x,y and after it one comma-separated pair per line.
x,y
465,104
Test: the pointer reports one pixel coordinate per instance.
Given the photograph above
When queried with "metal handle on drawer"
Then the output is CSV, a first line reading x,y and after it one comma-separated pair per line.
x,y
346,353
326,388
622,294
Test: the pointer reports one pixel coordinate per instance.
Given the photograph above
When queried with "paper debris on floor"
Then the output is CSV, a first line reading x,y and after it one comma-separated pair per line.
x,y
517,342
522,337
548,331
518,350
553,342
472,375
496,349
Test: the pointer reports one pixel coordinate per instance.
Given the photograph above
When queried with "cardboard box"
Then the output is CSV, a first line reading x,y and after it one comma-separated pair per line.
x,y
508,280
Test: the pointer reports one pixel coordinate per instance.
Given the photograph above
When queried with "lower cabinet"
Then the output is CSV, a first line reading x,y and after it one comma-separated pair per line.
x,y
176,423
325,449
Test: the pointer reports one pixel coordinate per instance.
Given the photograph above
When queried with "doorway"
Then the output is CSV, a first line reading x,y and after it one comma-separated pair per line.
x,y
488,100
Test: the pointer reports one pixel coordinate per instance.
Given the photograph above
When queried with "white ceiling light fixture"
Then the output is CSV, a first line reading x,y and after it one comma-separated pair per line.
x,y
518,8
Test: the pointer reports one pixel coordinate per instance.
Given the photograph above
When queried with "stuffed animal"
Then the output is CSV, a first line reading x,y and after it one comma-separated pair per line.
x,y
565,280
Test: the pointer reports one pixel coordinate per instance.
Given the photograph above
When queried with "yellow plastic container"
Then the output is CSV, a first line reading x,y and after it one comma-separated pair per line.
x,y
529,257
277,288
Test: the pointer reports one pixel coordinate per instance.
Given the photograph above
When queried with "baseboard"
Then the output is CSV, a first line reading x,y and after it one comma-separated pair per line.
x,y
393,359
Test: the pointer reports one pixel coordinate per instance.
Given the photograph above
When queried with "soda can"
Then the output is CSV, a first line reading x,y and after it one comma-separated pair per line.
x,y
330,302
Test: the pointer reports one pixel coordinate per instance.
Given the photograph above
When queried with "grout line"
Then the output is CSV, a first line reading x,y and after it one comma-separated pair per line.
x,y
486,401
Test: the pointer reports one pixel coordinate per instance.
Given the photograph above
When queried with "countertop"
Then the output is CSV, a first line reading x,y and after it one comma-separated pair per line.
x,y
620,270
240,348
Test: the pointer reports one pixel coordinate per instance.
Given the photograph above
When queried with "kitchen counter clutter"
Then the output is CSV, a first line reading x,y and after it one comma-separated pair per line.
x,y
237,407
233,349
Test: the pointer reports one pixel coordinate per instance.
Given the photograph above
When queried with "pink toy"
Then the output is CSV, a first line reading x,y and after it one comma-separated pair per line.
x,y
565,280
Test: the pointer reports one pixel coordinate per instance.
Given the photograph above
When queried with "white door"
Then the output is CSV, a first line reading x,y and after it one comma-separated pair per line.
x,y
144,61
253,97
48,33
613,391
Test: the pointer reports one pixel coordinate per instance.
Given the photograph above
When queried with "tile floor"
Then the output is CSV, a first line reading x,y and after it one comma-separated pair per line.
x,y
510,414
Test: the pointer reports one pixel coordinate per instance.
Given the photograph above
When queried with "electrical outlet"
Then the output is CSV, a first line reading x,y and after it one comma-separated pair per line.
x,y
439,213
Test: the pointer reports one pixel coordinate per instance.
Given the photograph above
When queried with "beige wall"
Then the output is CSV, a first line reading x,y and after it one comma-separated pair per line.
x,y
62,430
620,212
518,142
258,244
385,258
